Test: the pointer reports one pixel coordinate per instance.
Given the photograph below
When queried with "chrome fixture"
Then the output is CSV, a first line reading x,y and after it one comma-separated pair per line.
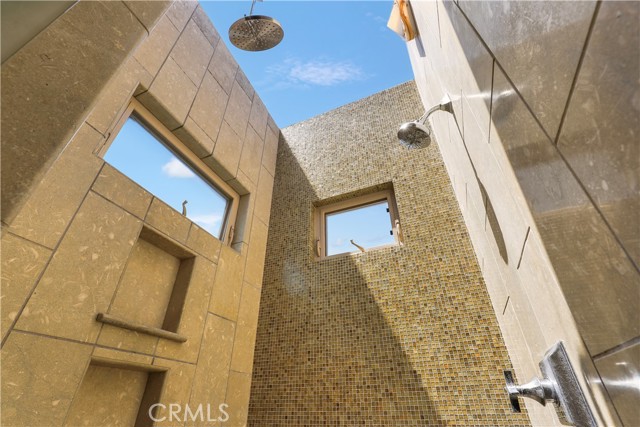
x,y
416,134
255,32
558,384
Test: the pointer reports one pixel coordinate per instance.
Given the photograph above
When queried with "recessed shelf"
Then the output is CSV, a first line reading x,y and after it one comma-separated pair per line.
x,y
149,330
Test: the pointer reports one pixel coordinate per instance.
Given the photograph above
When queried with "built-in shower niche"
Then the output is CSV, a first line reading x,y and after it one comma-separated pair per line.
x,y
117,394
151,294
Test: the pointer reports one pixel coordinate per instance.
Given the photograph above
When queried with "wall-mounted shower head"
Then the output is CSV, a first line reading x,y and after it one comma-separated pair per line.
x,y
416,134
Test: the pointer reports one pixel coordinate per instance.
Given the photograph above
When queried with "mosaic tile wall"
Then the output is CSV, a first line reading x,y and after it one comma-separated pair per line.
x,y
399,336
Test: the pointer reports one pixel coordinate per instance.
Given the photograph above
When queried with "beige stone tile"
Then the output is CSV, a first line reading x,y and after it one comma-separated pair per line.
x,y
168,221
122,191
204,243
148,12
245,217
123,357
154,50
107,396
264,194
83,273
195,138
242,184
47,213
117,94
243,349
47,66
227,286
259,116
270,154
238,110
226,154
238,398
146,285
192,52
223,67
124,339
212,372
170,95
249,306
208,108
255,257
22,263
272,124
200,17
180,12
39,378
599,135
176,390
245,84
193,314
251,156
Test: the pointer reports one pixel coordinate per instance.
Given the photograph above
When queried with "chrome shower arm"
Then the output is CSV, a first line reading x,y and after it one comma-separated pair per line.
x,y
444,105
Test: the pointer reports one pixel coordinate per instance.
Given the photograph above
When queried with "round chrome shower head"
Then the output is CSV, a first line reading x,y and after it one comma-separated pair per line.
x,y
414,135
255,33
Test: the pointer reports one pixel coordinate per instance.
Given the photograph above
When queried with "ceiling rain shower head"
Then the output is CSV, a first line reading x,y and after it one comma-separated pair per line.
x,y
416,134
255,33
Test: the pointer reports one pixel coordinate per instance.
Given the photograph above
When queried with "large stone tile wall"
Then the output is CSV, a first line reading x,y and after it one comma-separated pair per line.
x,y
67,248
397,336
544,140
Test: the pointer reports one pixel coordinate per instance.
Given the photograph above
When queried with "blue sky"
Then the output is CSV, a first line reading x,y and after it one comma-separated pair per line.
x,y
333,53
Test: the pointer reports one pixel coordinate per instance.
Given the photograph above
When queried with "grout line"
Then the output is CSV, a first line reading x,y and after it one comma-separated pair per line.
x,y
524,244
46,266
620,347
506,304
438,17
574,83
493,77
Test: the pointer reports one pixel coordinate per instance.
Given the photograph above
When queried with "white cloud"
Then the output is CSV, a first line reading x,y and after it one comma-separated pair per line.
x,y
293,72
210,222
176,169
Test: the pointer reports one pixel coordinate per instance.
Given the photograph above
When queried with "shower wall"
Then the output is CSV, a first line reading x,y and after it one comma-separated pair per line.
x,y
80,238
543,153
398,336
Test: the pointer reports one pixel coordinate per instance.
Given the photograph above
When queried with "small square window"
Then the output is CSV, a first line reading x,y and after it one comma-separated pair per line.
x,y
357,225
149,154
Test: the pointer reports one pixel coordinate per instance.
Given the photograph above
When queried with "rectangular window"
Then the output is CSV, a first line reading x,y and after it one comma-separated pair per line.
x,y
149,154
357,225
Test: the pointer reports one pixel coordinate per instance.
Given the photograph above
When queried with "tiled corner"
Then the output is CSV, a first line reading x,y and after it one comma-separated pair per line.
x,y
153,52
204,243
176,390
225,297
200,17
245,84
209,106
195,138
180,12
264,194
148,12
270,154
251,157
223,67
226,154
238,110
255,256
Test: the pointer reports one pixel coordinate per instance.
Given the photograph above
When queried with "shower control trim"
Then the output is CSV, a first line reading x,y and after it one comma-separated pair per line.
x,y
558,384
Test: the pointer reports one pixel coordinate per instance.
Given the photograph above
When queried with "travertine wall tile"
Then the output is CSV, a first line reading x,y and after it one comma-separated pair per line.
x,y
270,154
204,243
227,286
251,156
118,188
122,356
30,365
22,263
238,110
208,108
264,194
193,315
255,256
170,95
238,398
124,339
148,12
200,17
47,213
223,67
195,138
226,154
83,273
180,12
167,220
153,52
192,52
176,390
212,373
258,116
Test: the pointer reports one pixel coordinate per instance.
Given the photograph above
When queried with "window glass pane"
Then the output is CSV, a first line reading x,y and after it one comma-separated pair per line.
x,y
143,158
368,226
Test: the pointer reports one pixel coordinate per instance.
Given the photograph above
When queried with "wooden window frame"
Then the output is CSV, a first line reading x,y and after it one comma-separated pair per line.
x,y
320,221
165,137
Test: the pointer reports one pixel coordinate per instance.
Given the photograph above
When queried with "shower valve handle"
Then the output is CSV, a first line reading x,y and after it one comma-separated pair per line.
x,y
540,390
